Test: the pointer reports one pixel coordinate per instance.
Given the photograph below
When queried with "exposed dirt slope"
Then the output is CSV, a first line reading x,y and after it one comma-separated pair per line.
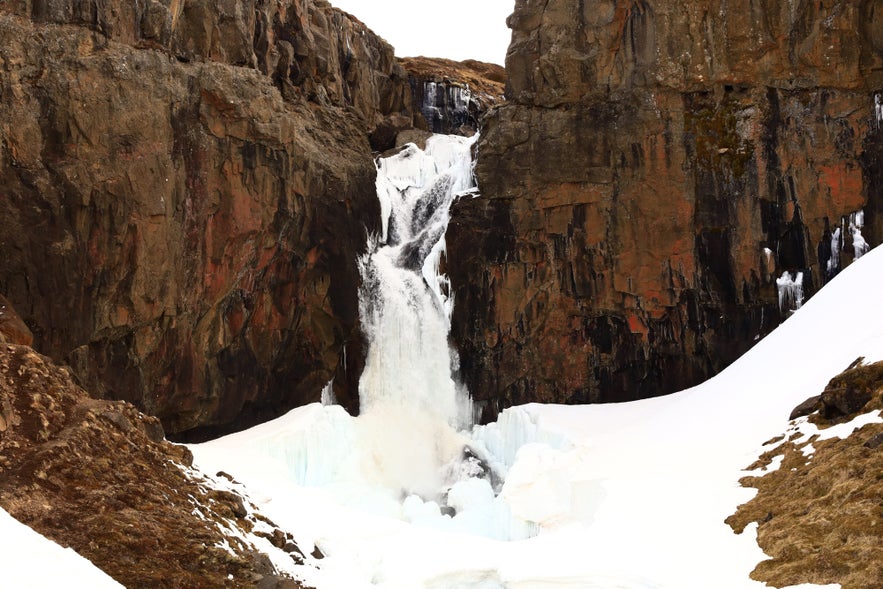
x,y
97,476
821,516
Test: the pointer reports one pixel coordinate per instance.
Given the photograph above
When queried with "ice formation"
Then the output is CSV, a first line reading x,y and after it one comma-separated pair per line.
x,y
859,244
836,246
850,227
790,291
438,98
878,108
769,262
328,394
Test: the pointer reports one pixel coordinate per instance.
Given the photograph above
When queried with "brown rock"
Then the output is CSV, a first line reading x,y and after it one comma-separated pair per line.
x,y
451,97
186,190
849,392
12,329
874,442
83,473
650,154
811,405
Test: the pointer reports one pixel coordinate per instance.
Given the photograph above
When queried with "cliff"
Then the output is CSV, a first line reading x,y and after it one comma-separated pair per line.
x,y
186,187
657,168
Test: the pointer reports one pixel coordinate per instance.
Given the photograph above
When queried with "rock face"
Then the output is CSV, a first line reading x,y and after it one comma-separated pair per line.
x,y
657,167
98,477
186,187
450,96
12,329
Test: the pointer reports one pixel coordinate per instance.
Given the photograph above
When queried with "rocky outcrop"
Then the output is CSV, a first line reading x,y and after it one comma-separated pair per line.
x,y
98,477
657,168
186,188
812,508
450,97
12,329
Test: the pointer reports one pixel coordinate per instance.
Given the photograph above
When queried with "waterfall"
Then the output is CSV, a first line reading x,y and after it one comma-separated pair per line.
x,y
409,400
413,453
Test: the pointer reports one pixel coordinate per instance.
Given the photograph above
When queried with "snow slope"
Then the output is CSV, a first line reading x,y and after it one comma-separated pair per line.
x,y
631,495
31,561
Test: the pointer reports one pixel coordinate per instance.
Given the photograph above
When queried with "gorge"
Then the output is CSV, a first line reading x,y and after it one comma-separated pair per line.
x,y
218,214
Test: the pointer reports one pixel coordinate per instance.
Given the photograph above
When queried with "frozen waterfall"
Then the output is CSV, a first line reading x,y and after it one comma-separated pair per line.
x,y
790,292
413,453
407,387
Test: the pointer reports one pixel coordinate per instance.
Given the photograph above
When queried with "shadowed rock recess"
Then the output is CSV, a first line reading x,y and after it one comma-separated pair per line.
x,y
185,190
658,166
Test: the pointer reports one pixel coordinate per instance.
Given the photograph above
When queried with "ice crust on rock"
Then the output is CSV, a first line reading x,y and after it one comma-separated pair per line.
x,y
439,97
790,292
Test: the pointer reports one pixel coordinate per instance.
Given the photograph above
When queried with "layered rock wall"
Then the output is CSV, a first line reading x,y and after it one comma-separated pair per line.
x,y
184,190
657,168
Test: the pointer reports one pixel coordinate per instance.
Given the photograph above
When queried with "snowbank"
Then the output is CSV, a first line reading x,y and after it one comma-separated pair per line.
x,y
31,561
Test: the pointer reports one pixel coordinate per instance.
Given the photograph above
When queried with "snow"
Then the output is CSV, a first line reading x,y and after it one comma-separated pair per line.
x,y
31,561
630,495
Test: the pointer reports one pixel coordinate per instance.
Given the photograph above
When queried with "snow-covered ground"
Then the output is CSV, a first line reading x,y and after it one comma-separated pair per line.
x,y
30,561
630,495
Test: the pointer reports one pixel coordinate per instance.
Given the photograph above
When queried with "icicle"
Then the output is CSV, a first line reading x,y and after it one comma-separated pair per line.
x,y
856,223
769,263
836,246
328,394
790,292
859,244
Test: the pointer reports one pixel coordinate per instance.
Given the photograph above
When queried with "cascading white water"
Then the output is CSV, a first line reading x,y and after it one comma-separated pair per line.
x,y
408,397
412,453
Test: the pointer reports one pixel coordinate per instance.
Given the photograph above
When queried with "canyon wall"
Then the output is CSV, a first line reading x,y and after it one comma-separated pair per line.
x,y
657,168
185,186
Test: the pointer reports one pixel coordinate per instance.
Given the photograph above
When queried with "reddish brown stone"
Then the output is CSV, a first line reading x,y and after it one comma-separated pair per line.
x,y
12,329
182,209
649,152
